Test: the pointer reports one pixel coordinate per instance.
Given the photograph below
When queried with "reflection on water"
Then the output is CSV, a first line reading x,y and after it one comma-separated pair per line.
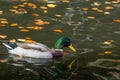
x,y
111,66
92,25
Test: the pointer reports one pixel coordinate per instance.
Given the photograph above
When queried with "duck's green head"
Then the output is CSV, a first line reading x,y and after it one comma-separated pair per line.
x,y
64,42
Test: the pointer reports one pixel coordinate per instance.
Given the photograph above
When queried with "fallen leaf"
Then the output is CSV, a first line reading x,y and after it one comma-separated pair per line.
x,y
117,20
109,8
14,24
32,5
35,15
58,15
95,9
58,30
99,10
43,7
97,3
106,12
85,8
3,36
45,11
51,5
90,17
1,12
3,61
107,42
107,52
24,30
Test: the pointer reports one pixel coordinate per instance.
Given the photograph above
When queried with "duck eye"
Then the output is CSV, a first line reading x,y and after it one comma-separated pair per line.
x,y
66,43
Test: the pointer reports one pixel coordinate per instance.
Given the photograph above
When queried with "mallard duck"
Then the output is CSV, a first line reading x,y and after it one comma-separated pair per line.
x,y
38,50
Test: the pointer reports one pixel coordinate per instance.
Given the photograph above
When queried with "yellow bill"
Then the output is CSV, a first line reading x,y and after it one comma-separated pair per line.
x,y
72,48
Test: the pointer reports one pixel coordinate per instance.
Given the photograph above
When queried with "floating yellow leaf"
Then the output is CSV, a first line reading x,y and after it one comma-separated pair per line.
x,y
58,15
3,36
14,24
90,17
107,2
1,12
39,22
117,20
107,42
43,7
3,61
45,11
108,52
21,11
71,64
3,19
28,40
106,12
51,5
46,22
115,2
97,4
20,27
37,28
24,30
58,30
32,5
21,5
85,8
109,8
66,1
4,22
15,7
99,10
35,14
95,9
13,10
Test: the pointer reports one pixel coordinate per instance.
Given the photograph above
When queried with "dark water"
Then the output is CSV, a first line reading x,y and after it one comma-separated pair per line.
x,y
92,25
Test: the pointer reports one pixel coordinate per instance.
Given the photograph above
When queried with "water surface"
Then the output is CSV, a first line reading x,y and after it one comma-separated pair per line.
x,y
92,25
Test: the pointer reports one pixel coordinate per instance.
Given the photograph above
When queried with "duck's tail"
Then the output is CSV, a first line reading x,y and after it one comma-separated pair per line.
x,y
10,45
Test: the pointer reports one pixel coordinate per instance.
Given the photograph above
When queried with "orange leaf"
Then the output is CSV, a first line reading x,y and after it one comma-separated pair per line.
x,y
14,24
35,14
85,8
24,30
29,41
117,20
58,30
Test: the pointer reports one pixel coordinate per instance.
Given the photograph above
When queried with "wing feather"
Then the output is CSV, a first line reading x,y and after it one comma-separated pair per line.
x,y
35,46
